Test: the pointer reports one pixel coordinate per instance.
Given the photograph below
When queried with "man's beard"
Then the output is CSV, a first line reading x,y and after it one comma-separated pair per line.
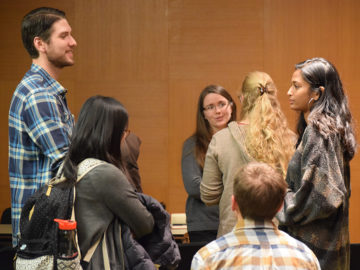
x,y
60,62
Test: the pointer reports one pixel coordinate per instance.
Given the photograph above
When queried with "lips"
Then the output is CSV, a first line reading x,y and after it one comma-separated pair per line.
x,y
70,52
219,118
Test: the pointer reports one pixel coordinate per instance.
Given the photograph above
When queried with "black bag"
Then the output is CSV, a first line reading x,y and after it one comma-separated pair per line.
x,y
38,243
37,226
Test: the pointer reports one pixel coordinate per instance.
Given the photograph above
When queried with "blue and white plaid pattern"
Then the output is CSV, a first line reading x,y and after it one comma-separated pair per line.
x,y
40,126
255,245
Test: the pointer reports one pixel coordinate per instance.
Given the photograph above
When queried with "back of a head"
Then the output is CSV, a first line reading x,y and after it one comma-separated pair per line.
x,y
268,137
255,85
259,191
38,23
97,133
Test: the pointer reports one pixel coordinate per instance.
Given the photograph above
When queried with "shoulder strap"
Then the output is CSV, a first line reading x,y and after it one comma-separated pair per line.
x,y
87,165
83,168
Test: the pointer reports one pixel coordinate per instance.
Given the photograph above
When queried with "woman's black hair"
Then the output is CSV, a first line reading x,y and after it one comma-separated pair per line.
x,y
330,114
97,134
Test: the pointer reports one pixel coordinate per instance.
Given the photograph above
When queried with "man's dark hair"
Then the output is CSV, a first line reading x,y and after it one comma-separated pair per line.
x,y
38,23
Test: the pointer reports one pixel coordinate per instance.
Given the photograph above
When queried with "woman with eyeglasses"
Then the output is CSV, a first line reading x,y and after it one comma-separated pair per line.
x,y
215,110
262,135
316,207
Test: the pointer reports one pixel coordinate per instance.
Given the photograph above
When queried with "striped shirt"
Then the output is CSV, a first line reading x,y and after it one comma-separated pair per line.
x,y
255,245
40,125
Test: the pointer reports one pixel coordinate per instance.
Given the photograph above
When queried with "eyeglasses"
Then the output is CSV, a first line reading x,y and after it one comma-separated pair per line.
x,y
220,106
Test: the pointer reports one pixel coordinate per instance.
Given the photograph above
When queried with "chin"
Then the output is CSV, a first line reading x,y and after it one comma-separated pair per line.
x,y
220,127
61,62
69,62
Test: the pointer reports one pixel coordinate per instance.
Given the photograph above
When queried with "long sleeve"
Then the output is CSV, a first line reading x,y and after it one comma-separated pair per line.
x,y
119,196
191,171
316,207
316,189
211,187
49,124
102,195
130,150
199,217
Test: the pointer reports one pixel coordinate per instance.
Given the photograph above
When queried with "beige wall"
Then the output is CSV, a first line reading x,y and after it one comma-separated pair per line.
x,y
156,56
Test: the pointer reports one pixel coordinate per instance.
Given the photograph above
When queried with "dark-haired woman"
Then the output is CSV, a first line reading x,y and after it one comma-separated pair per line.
x,y
104,195
316,209
215,110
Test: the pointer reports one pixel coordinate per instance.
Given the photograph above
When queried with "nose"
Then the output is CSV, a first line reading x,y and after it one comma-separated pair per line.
x,y
217,109
72,42
289,92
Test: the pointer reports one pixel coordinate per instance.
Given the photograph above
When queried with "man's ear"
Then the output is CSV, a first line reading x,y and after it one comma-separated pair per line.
x,y
280,207
39,44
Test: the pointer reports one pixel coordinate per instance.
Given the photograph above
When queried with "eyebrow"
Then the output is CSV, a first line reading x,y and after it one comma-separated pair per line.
x,y
212,103
66,32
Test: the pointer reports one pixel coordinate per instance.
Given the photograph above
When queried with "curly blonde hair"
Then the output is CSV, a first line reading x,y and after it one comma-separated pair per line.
x,y
268,137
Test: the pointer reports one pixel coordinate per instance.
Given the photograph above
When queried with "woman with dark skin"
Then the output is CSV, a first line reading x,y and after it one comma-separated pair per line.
x,y
316,207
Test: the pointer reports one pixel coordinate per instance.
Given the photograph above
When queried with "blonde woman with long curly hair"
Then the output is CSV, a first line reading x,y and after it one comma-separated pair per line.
x,y
261,135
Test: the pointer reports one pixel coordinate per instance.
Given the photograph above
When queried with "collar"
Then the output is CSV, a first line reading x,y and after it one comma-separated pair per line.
x,y
248,223
56,86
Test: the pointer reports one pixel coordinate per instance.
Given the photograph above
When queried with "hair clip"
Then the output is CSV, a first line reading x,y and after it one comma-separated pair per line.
x,y
263,89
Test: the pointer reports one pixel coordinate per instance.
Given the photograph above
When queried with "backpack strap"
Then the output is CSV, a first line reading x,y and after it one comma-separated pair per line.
x,y
83,168
87,165
91,251
105,253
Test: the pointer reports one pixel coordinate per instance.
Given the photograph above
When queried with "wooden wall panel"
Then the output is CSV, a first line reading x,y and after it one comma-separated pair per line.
x,y
122,53
293,34
349,57
156,56
207,45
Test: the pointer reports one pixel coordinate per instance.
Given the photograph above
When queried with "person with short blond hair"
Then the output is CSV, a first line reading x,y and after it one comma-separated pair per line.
x,y
256,242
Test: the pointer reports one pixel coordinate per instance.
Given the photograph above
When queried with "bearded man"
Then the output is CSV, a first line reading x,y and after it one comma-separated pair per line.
x,y
40,122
